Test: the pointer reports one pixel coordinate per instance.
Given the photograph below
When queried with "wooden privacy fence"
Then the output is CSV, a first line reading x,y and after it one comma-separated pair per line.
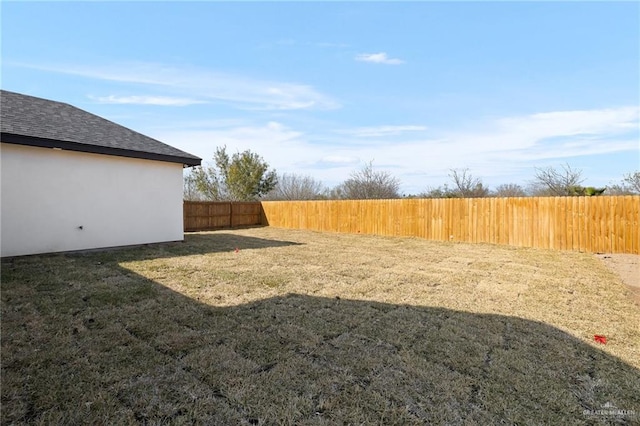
x,y
607,224
204,215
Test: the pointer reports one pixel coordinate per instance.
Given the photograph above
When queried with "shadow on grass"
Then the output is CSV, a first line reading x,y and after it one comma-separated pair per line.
x,y
194,244
142,353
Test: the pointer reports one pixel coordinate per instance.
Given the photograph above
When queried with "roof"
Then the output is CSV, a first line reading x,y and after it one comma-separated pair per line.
x,y
27,120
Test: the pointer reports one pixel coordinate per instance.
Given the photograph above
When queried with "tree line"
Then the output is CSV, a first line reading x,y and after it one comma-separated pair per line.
x,y
246,176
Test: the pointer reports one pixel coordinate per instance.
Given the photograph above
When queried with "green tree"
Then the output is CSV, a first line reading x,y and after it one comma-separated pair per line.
x,y
244,176
588,191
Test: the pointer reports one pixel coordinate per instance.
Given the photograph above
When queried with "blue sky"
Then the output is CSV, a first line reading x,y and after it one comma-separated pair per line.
x,y
320,89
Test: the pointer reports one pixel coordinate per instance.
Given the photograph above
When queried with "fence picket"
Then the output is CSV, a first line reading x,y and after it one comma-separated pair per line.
x,y
591,224
608,224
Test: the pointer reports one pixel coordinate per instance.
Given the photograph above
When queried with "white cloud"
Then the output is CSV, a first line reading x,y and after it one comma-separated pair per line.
x,y
499,151
381,131
338,160
572,123
378,58
285,149
205,85
146,100
278,144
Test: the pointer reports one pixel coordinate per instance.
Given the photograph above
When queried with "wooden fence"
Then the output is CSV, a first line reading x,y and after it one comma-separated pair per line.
x,y
204,216
607,224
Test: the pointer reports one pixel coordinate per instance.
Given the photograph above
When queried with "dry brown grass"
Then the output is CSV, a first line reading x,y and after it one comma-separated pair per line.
x,y
309,328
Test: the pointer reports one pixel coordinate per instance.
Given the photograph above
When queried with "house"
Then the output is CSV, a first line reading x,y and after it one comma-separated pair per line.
x,y
71,180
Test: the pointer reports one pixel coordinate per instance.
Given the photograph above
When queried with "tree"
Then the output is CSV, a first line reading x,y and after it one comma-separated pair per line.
x,y
190,190
466,186
208,183
629,185
588,191
368,183
297,187
243,177
550,181
438,192
509,190
553,182
632,181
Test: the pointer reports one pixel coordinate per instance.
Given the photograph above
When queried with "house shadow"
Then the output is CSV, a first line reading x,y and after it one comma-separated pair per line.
x,y
193,244
143,353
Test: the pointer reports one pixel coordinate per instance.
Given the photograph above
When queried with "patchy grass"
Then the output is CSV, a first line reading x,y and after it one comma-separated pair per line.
x,y
308,328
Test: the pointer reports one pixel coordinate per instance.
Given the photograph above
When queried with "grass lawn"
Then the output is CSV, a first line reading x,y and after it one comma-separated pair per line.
x,y
307,328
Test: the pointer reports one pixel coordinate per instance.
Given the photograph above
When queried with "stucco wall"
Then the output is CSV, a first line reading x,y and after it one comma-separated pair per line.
x,y
48,194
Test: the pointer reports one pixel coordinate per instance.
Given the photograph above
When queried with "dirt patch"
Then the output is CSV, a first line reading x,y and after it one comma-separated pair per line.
x,y
627,266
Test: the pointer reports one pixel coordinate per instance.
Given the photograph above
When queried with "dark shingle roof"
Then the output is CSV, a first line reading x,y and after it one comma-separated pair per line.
x,y
27,120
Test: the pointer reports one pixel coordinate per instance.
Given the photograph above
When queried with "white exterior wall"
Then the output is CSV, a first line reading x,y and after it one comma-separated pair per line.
x,y
47,194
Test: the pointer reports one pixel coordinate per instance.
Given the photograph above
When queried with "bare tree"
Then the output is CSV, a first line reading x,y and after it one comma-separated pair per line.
x,y
297,187
632,182
509,190
550,181
368,183
466,186
629,185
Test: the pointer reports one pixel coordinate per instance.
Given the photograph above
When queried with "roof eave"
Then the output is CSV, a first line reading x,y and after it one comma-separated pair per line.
x,y
96,149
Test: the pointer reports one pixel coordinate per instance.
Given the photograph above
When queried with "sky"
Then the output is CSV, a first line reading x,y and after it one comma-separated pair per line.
x,y
322,88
